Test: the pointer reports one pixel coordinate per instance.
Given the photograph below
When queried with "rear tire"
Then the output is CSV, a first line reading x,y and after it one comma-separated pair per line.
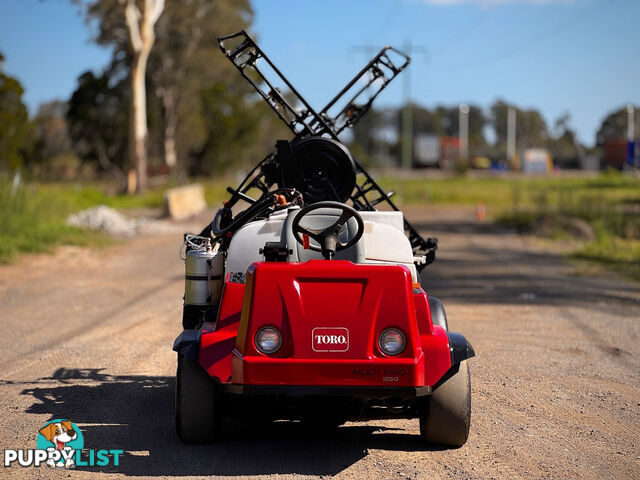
x,y
447,416
196,419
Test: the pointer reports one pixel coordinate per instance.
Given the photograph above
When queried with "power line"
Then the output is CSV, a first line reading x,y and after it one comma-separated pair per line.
x,y
460,35
546,33
407,110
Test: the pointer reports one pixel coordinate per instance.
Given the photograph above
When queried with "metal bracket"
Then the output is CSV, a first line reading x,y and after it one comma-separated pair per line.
x,y
343,111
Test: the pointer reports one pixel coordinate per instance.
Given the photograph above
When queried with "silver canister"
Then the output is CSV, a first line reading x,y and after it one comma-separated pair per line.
x,y
204,269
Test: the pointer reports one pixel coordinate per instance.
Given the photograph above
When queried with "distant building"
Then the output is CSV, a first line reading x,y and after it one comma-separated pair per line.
x,y
534,160
614,153
433,151
427,150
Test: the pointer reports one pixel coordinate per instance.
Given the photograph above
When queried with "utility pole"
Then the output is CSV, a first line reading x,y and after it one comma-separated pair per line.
x,y
632,148
407,121
407,110
631,136
463,127
511,135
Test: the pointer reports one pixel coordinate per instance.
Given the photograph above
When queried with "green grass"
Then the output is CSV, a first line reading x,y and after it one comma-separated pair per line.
x,y
215,190
598,218
614,253
609,206
33,220
511,191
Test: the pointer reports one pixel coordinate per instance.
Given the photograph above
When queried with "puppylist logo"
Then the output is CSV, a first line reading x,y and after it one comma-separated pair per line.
x,y
60,444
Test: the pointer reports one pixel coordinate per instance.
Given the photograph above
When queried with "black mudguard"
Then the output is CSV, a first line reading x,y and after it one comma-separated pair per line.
x,y
438,316
188,344
460,348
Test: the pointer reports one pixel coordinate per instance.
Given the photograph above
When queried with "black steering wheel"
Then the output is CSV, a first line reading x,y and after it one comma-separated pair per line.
x,y
327,237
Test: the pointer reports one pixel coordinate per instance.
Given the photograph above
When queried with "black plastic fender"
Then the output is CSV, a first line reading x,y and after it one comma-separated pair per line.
x,y
438,316
188,344
460,348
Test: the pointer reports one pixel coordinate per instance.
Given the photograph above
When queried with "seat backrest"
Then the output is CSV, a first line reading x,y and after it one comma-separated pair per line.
x,y
318,219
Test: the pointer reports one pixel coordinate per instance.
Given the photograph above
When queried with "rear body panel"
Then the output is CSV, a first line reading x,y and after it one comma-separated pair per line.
x,y
330,314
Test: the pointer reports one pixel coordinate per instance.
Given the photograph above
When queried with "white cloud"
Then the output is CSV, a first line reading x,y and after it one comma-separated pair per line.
x,y
490,3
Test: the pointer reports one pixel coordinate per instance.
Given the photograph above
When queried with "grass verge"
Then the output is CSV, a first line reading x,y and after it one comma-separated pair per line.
x,y
599,219
32,219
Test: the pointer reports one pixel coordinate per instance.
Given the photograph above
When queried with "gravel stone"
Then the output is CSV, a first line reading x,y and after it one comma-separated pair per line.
x,y
115,223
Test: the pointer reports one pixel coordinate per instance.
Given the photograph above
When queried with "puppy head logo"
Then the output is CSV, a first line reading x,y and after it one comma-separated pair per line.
x,y
60,434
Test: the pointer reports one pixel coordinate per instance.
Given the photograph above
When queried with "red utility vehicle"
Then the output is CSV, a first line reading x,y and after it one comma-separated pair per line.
x,y
302,307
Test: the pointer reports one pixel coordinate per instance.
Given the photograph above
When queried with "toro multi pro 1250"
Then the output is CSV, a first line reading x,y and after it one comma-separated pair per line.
x,y
302,301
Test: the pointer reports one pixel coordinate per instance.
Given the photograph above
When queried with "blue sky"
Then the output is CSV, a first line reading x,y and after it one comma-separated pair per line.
x,y
575,56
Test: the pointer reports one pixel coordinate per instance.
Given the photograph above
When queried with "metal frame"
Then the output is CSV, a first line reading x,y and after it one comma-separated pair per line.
x,y
305,121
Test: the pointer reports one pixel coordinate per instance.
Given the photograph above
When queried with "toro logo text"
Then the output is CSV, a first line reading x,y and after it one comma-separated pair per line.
x,y
330,339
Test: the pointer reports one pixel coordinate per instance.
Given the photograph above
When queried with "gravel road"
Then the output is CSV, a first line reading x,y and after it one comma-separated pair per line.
x,y
87,336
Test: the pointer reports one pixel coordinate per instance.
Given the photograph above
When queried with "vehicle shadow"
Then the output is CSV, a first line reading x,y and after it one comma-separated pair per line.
x,y
135,413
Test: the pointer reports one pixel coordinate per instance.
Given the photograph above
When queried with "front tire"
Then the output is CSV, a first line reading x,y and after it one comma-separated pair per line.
x,y
196,419
447,416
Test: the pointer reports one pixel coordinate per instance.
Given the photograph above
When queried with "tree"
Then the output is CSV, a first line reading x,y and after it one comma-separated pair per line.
x,y
367,135
97,118
564,144
188,81
615,124
141,38
426,121
14,121
180,31
232,123
477,123
531,128
51,132
131,21
185,62
443,121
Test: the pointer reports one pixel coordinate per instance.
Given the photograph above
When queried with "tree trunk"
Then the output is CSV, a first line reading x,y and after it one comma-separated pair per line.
x,y
138,145
109,166
141,37
170,121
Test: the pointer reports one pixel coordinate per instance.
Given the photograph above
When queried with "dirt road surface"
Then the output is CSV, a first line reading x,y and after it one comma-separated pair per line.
x,y
87,335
